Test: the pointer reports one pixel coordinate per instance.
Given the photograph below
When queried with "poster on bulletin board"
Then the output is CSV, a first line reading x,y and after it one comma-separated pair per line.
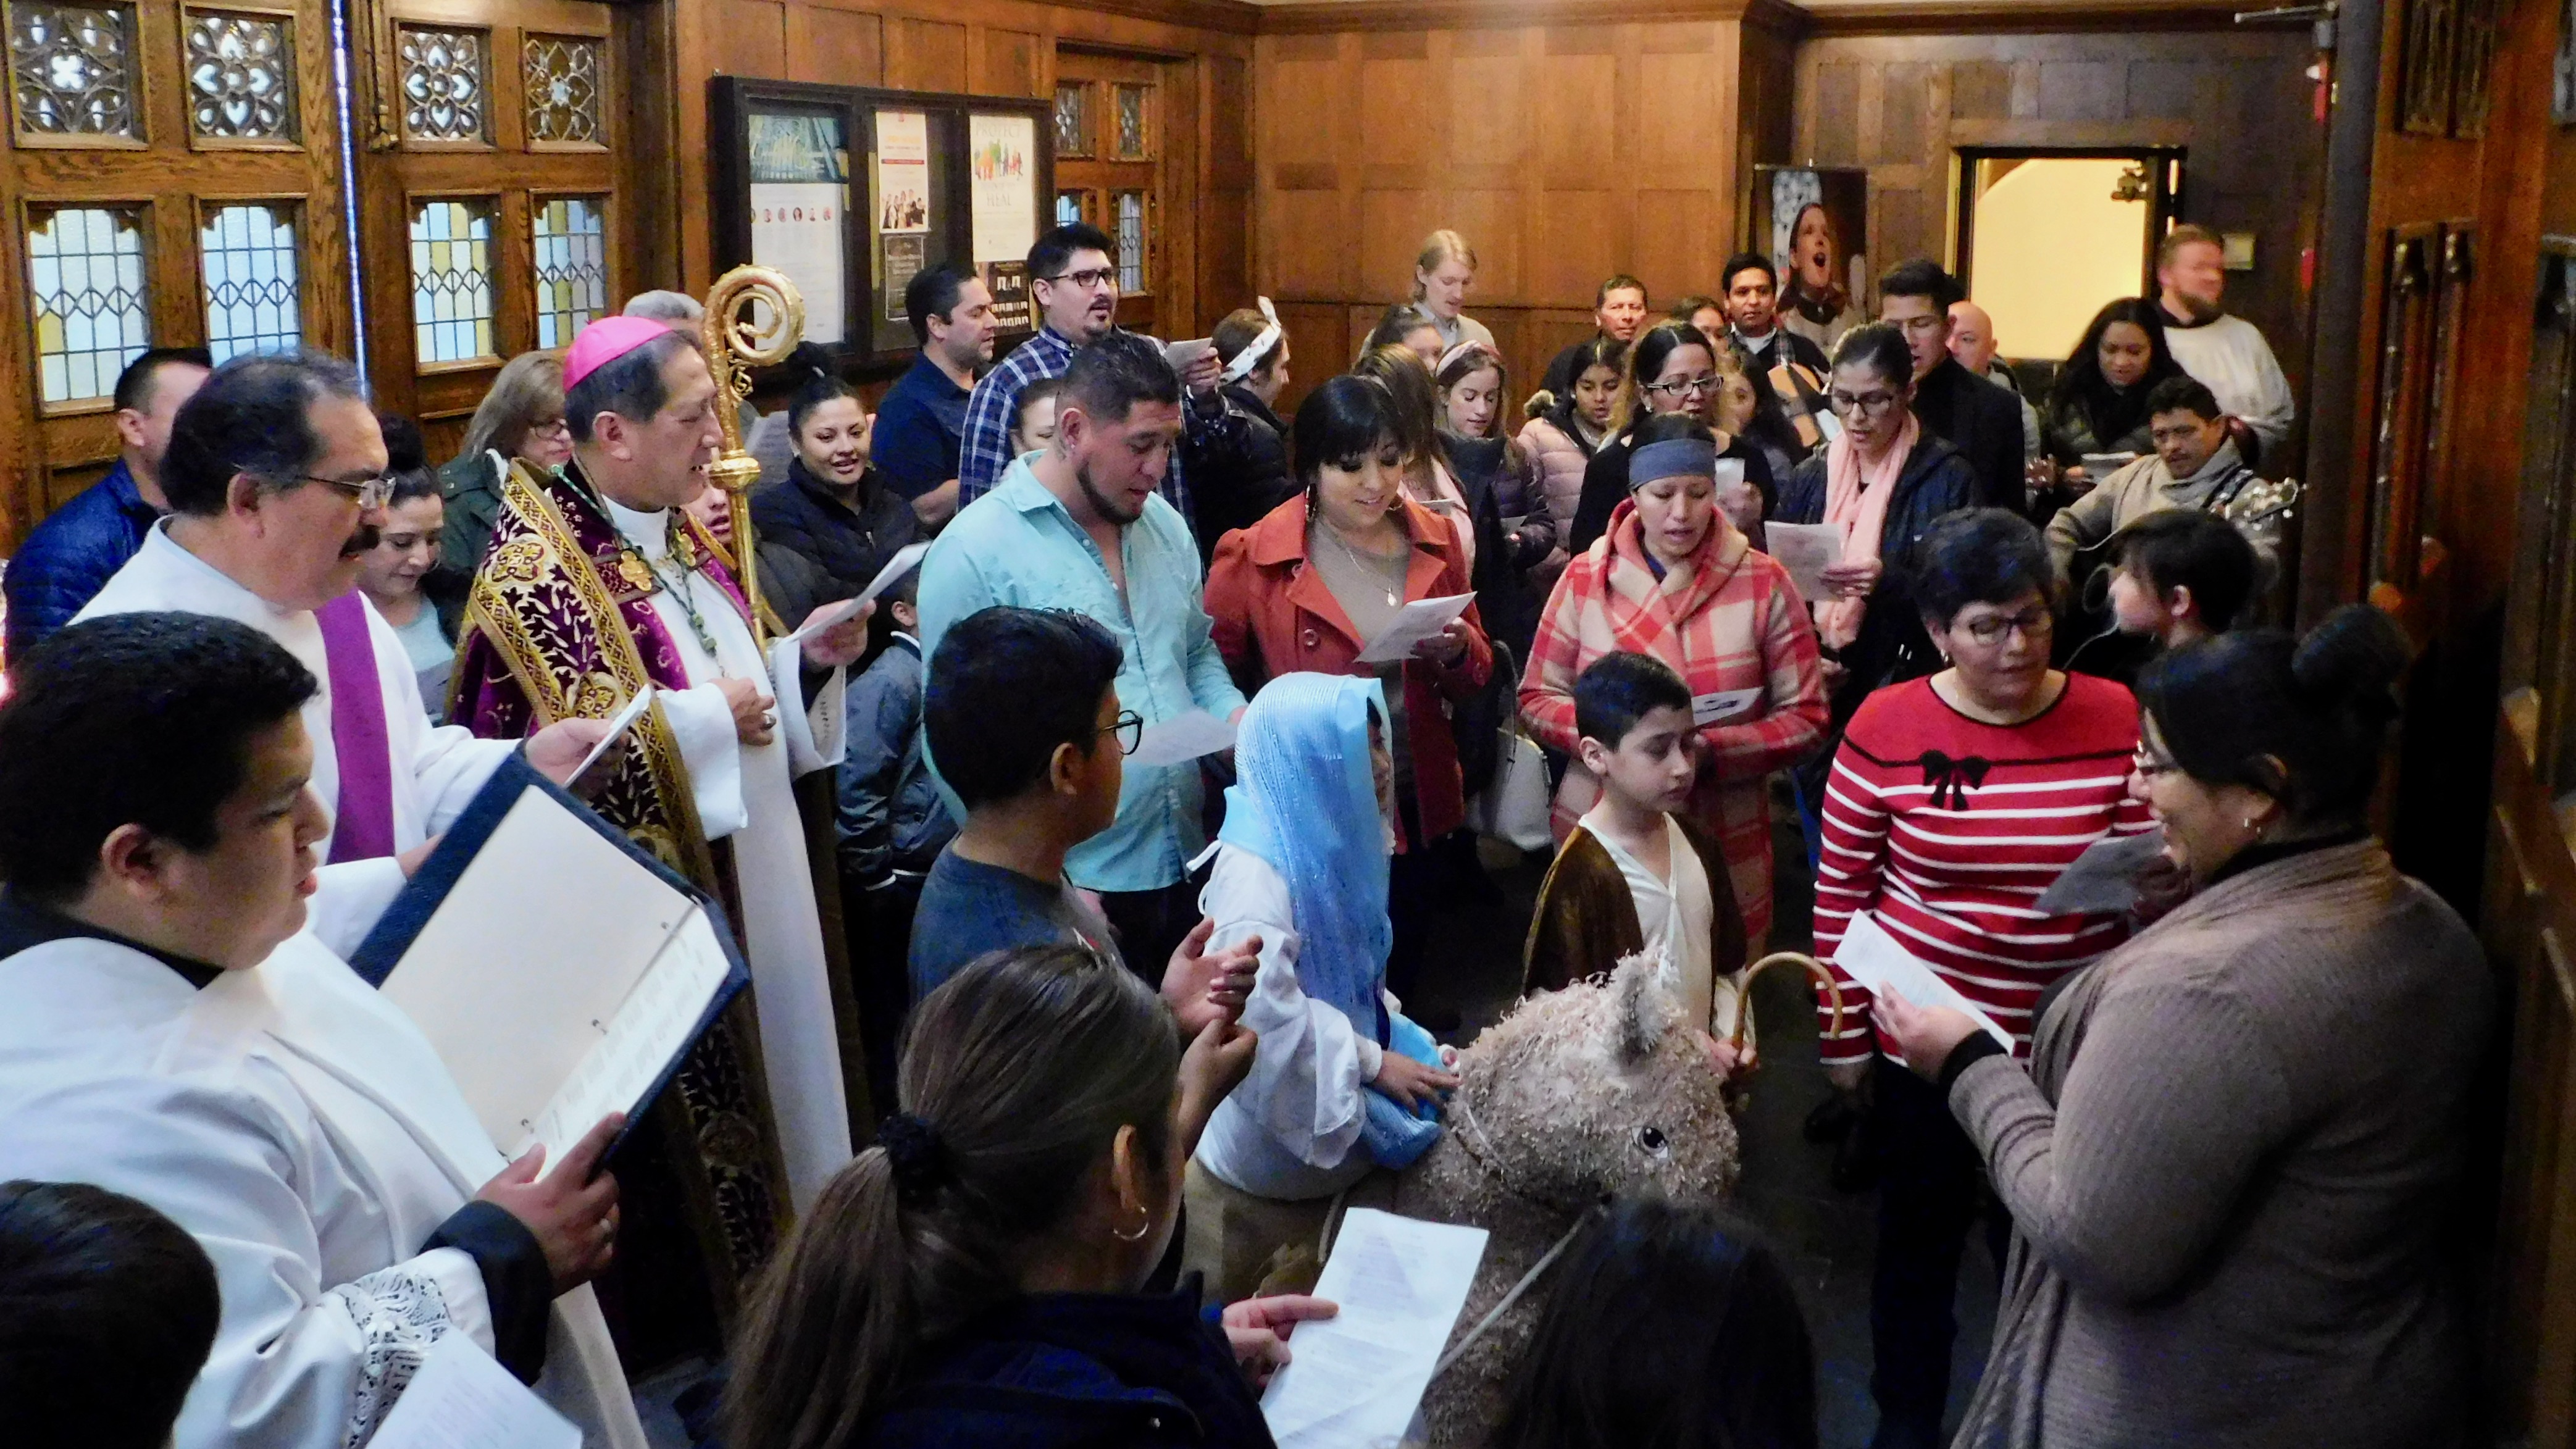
x,y
799,174
903,173
1001,154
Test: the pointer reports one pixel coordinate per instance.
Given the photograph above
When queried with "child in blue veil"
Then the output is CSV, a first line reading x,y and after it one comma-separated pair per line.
x,y
1342,1082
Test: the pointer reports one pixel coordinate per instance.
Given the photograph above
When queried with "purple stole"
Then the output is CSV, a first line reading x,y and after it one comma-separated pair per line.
x,y
362,825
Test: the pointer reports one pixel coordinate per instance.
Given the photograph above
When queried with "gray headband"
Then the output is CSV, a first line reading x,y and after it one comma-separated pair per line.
x,y
1672,458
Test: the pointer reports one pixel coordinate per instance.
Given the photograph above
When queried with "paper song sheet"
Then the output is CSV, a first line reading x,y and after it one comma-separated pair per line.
x,y
1185,736
618,724
1422,619
1724,705
635,1044
2105,877
462,1399
1872,957
896,567
1354,1380
1806,550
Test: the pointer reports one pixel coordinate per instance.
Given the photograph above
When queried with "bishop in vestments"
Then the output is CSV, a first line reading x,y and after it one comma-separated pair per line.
x,y
597,585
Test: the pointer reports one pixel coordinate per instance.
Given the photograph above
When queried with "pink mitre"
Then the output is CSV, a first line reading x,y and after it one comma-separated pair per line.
x,y
605,341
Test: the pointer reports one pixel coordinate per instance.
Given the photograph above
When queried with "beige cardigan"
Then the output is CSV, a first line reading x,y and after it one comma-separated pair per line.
x,y
2227,1168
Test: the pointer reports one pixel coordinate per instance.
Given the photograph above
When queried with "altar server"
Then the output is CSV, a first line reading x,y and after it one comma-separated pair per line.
x,y
174,1035
276,477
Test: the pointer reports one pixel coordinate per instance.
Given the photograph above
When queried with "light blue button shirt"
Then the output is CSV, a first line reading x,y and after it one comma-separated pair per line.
x,y
1017,545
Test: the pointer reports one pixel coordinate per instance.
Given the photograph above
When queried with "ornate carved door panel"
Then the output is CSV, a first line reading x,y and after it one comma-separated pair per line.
x,y
171,179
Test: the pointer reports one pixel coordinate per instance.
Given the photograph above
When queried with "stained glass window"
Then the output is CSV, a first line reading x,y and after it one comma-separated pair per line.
x,y
253,299
1131,123
1072,119
1068,207
241,76
71,68
1131,242
563,88
451,280
443,91
572,267
92,307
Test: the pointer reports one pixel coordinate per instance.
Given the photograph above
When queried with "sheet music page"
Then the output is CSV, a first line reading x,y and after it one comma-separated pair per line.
x,y
1353,1381
655,1020
462,1399
1877,960
534,952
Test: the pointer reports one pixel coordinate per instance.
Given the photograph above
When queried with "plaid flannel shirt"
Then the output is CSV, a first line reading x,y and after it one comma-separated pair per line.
x,y
986,449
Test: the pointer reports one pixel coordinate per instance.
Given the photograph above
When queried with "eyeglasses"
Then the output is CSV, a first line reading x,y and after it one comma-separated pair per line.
x,y
2033,624
1130,731
370,492
1686,386
1096,277
1868,402
2149,766
552,425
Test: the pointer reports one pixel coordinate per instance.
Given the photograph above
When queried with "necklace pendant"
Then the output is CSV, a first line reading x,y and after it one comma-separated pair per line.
x,y
637,573
684,547
1393,600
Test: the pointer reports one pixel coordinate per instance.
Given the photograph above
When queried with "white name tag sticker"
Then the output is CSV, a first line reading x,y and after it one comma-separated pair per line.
x,y
1726,704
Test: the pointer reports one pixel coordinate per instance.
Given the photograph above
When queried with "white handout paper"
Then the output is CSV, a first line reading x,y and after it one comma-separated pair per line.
x,y
1806,550
2105,877
1422,619
1185,736
1354,1380
896,567
1872,957
618,724
462,1399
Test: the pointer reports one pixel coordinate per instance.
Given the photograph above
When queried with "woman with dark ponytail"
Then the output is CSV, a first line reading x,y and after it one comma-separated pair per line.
x,y
2229,1158
972,1278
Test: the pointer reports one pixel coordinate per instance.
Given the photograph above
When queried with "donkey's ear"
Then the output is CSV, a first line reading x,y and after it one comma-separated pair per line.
x,y
1642,1010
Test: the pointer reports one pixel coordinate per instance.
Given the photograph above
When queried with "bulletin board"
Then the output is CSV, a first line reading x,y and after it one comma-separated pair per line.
x,y
851,190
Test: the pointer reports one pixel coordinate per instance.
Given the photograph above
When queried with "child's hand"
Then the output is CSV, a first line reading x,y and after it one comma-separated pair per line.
x,y
1411,1083
1203,986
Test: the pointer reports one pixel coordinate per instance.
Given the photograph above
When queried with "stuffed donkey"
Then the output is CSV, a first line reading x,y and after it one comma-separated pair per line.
x,y
1579,1093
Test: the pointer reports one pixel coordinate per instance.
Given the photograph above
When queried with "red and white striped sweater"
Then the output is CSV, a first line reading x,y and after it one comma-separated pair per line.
x,y
1949,829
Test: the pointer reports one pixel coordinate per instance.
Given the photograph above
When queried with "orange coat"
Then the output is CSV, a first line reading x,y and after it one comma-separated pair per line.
x,y
1273,615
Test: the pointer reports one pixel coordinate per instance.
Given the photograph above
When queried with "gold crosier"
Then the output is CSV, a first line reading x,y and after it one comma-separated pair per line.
x,y
734,348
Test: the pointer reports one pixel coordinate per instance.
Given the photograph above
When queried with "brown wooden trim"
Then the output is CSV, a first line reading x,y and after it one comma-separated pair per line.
x,y
1870,17
2001,17
1230,17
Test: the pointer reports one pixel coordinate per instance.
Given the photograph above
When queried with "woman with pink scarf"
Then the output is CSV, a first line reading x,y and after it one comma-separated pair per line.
x,y
1884,482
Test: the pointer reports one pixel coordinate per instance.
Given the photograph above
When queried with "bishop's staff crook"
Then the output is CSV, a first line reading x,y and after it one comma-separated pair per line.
x,y
734,348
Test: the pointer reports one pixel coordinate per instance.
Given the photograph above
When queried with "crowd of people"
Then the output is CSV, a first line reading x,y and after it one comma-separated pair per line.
x,y
1133,1024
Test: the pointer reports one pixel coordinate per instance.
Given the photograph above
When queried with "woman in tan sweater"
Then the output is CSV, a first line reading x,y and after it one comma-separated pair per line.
x,y
2228,1161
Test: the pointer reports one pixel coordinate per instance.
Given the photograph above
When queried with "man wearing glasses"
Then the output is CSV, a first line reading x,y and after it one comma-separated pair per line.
x,y
1073,278
275,476
1976,416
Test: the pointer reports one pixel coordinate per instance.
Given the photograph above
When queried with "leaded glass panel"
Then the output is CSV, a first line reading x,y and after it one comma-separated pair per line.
x,y
86,288
1073,119
1131,242
253,295
241,76
71,68
451,280
443,90
563,88
572,266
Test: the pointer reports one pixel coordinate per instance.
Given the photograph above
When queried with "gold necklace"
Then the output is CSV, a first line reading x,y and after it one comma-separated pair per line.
x,y
1394,597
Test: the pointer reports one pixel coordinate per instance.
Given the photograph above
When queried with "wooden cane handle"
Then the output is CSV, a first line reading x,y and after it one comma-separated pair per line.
x,y
1816,972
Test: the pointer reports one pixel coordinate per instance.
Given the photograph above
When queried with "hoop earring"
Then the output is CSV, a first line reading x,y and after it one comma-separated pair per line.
x,y
1144,1225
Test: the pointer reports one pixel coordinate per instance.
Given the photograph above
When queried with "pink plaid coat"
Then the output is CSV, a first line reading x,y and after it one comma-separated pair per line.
x,y
1731,621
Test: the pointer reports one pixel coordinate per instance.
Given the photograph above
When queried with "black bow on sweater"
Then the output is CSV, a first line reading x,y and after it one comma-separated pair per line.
x,y
1955,777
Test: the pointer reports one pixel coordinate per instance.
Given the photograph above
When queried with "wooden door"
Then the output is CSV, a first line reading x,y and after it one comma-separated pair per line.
x,y
490,193
171,179
1111,118
2529,915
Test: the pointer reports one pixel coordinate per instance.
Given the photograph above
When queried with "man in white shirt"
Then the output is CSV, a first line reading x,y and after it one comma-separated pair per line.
x,y
2227,353
275,477
174,1035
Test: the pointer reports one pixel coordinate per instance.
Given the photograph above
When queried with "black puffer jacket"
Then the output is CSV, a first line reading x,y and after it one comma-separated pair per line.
x,y
1892,645
848,544
1238,471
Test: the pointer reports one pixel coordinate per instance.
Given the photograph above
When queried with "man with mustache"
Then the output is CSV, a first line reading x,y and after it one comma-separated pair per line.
x,y
1073,281
1080,526
2227,353
275,473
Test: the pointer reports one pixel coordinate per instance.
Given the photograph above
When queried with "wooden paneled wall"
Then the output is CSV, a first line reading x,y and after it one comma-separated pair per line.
x,y
983,47
1901,105
1564,151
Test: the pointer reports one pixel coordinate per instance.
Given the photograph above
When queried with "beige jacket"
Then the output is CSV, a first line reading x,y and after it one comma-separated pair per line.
x,y
2131,493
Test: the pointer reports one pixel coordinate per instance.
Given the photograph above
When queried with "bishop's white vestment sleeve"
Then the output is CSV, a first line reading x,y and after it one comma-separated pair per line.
x,y
814,734
1311,1069
702,724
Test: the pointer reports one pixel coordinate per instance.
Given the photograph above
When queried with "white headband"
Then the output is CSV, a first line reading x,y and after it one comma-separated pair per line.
x,y
1249,359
